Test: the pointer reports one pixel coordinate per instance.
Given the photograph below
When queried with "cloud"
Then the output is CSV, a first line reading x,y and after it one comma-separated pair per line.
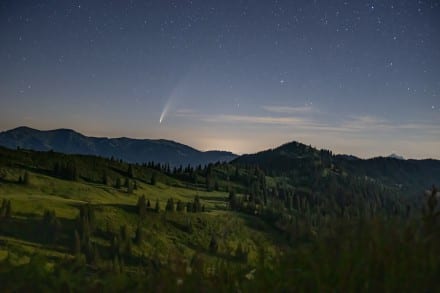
x,y
364,122
288,109
269,120
356,125
376,124
185,111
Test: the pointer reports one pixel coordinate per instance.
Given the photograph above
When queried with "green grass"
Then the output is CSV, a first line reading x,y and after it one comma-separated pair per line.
x,y
164,235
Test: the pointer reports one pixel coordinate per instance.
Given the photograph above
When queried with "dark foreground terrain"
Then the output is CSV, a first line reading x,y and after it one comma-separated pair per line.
x,y
289,219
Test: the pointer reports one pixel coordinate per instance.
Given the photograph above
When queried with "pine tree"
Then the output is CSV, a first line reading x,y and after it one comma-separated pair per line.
x,y
170,205
86,222
180,206
8,210
141,206
3,209
130,171
115,264
153,179
189,226
240,253
233,203
197,207
77,243
213,244
51,226
26,179
123,233
430,212
105,178
139,237
118,183
209,182
130,188
71,171
189,207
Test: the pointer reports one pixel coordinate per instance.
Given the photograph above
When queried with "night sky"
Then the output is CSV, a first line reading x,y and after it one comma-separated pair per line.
x,y
358,77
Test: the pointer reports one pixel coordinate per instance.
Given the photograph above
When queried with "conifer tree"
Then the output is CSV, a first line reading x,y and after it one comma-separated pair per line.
x,y
189,226
8,209
130,188
51,226
213,244
197,207
157,207
153,179
105,178
118,183
26,178
189,207
3,209
170,205
77,243
130,171
180,206
141,206
240,253
233,202
139,236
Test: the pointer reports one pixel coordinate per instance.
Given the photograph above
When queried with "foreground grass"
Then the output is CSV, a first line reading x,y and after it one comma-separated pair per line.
x,y
372,256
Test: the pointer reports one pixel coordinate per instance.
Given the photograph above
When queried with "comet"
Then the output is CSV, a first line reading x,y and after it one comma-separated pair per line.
x,y
176,94
164,111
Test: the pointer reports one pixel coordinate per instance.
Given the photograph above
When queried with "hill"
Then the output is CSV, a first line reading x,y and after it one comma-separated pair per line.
x,y
305,164
129,150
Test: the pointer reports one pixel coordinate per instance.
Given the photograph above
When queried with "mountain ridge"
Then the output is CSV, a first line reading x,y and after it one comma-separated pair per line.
x,y
128,149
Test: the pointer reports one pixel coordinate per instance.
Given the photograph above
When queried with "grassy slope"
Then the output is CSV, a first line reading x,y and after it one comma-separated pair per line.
x,y
165,233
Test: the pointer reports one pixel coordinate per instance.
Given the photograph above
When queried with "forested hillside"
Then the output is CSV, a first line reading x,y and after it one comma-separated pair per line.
x,y
303,164
305,224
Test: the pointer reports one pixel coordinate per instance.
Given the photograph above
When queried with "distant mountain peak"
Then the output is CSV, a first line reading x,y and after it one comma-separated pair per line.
x,y
395,156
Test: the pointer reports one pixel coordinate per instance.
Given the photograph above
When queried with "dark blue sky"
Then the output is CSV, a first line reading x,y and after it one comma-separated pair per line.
x,y
359,77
